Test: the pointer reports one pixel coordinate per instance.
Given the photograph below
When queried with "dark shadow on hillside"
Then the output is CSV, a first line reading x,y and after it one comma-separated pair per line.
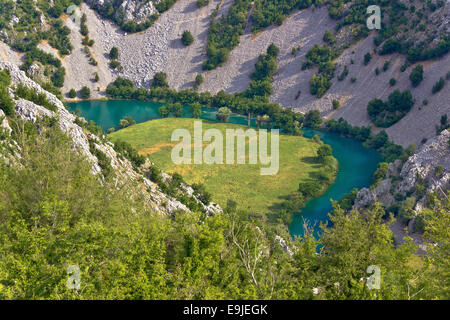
x,y
310,160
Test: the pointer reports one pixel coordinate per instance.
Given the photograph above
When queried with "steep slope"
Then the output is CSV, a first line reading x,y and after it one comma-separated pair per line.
x,y
89,144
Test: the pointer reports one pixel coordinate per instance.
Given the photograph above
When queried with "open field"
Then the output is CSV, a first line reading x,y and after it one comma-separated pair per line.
x,y
242,183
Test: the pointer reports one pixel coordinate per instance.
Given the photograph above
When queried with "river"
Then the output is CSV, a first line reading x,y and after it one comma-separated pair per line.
x,y
356,163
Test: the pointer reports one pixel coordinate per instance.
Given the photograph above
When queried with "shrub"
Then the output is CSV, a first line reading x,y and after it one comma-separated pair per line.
x,y
160,80
367,58
438,85
309,189
72,93
223,114
323,152
202,3
6,103
380,173
336,104
313,119
385,114
392,82
126,122
31,95
416,75
198,81
114,53
187,38
114,64
85,93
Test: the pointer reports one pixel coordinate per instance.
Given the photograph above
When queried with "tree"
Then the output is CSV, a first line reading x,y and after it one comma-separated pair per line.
x,y
367,58
160,80
223,114
187,38
72,93
163,112
438,85
328,37
324,152
202,3
196,110
85,92
312,119
126,122
114,53
273,50
198,81
416,75
336,104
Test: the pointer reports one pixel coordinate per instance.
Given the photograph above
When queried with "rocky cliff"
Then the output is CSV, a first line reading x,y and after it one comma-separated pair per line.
x,y
428,168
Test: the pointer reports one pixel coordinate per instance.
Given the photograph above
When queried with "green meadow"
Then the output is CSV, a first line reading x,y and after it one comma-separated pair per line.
x,y
239,182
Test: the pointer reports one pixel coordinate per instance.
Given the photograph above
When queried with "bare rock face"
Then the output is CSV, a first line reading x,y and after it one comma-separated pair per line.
x,y
123,169
138,10
429,167
135,10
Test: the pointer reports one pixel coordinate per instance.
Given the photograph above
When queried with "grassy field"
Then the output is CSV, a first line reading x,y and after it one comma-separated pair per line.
x,y
240,182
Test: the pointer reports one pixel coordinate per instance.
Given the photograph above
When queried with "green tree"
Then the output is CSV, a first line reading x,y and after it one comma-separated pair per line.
x,y
85,92
312,119
187,38
114,53
416,75
196,110
126,122
72,93
324,152
160,80
223,114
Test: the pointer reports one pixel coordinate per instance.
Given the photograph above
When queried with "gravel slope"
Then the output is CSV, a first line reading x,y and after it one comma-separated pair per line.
x,y
159,49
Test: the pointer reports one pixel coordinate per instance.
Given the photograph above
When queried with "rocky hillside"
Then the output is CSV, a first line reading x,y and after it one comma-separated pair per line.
x,y
158,48
428,168
89,144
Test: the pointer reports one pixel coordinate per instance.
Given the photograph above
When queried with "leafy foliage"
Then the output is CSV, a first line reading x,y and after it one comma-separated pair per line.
x,y
385,114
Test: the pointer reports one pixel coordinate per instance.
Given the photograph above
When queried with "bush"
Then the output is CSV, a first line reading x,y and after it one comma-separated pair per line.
x,y
114,53
72,93
198,81
114,64
202,3
336,104
309,189
367,58
160,80
313,119
126,122
187,38
416,75
6,103
324,152
380,173
85,93
392,82
385,114
438,85
223,114
31,95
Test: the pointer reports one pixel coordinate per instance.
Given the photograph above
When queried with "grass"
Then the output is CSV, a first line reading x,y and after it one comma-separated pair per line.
x,y
239,182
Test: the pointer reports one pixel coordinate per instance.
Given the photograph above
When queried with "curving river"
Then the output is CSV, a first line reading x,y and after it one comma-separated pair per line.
x,y
356,163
